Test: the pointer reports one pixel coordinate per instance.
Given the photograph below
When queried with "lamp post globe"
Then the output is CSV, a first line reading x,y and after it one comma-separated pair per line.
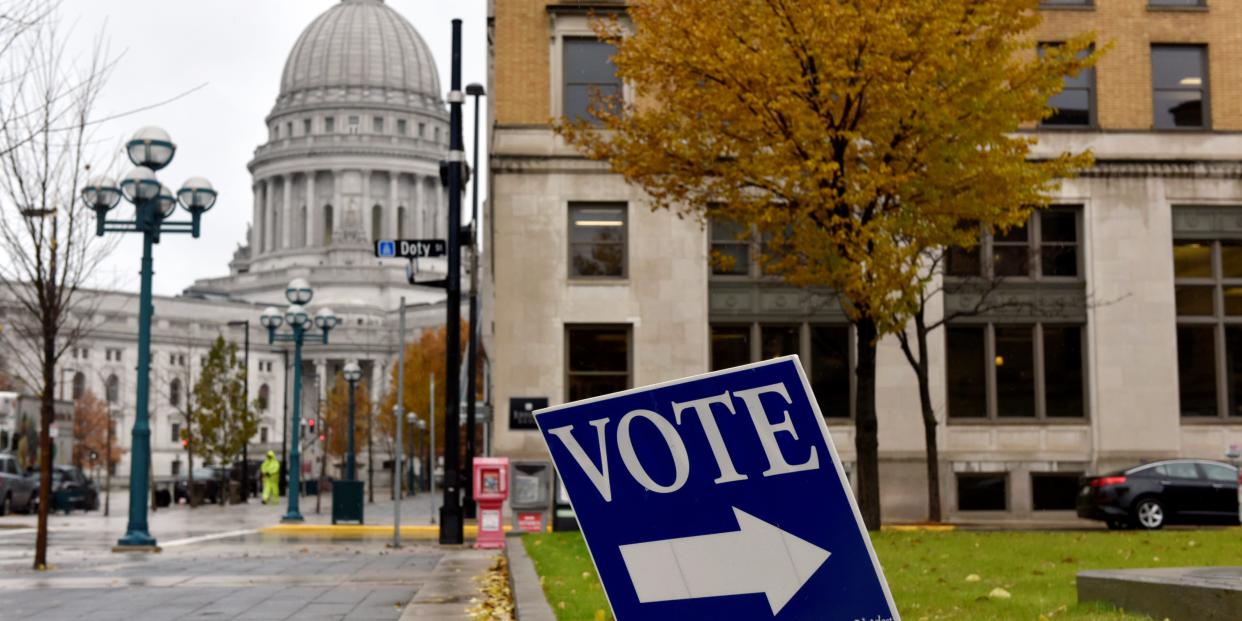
x,y
352,371
298,291
296,316
271,318
151,147
140,185
197,195
166,202
101,194
325,319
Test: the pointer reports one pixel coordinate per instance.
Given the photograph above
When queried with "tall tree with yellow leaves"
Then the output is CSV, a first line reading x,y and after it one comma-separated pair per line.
x,y
854,135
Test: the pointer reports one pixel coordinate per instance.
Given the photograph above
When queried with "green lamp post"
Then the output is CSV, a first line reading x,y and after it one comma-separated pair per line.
x,y
150,150
299,294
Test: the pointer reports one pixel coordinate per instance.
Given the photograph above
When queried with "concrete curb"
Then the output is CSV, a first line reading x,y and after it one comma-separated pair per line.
x,y
448,591
412,531
528,597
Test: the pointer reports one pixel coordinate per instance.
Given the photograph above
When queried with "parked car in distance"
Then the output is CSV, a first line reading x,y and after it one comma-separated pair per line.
x,y
16,491
206,479
1177,491
71,489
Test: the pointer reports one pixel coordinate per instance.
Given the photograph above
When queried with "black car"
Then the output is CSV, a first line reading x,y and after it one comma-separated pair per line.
x,y
206,480
1178,491
71,489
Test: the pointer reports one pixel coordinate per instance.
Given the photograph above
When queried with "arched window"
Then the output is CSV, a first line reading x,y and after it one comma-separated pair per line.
x,y
377,222
174,392
265,394
327,225
112,389
79,385
401,223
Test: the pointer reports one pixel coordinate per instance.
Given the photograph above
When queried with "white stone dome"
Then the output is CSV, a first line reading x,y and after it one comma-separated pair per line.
x,y
358,44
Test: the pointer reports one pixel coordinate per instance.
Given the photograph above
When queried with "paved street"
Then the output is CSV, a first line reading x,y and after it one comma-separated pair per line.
x,y
215,564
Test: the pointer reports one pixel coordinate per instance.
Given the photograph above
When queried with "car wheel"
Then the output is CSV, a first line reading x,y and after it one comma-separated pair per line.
x,y
1149,514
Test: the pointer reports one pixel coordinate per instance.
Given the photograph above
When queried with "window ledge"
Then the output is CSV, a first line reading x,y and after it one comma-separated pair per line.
x,y
1196,421
1156,8
1020,422
579,281
1067,7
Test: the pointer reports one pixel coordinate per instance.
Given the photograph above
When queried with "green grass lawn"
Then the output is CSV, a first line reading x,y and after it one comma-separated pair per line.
x,y
949,575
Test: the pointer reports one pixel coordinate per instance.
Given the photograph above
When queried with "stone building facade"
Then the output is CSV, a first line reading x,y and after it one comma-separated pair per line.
x,y
1127,345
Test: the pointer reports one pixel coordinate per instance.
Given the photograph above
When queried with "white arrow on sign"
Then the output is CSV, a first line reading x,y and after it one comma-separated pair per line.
x,y
756,558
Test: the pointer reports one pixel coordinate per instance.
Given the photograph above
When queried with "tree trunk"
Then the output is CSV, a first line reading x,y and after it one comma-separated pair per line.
x,y
866,436
934,513
47,411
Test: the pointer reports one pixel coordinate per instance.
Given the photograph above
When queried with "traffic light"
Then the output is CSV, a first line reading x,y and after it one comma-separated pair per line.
x,y
310,422
185,443
321,437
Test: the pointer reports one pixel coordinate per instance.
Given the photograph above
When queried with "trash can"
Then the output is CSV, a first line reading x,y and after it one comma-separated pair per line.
x,y
347,500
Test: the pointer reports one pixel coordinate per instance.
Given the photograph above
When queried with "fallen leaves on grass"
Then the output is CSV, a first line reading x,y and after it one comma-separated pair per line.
x,y
497,602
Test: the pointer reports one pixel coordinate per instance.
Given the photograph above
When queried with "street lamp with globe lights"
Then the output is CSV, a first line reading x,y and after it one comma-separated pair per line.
x,y
353,373
299,293
150,150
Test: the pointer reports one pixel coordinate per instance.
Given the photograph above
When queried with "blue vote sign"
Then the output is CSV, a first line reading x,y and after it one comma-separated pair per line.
x,y
717,497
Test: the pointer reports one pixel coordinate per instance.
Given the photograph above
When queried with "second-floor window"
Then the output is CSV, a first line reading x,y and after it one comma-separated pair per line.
x,y
730,249
1046,246
587,73
1074,106
1179,86
329,125
597,240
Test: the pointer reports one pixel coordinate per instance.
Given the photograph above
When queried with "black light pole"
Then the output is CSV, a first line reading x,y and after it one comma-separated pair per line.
x,y
476,91
353,374
245,471
451,521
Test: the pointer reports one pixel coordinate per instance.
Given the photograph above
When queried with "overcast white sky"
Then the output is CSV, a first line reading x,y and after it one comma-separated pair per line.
x,y
237,48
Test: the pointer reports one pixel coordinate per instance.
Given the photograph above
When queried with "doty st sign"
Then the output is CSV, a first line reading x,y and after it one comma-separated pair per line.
x,y
717,497
410,248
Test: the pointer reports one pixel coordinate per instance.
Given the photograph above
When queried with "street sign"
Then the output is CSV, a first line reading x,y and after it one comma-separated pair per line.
x,y
717,497
411,248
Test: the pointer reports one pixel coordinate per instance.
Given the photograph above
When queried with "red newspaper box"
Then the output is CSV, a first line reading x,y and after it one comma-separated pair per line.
x,y
491,489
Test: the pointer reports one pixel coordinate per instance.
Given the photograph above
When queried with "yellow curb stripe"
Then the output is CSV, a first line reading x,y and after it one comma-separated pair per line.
x,y
919,528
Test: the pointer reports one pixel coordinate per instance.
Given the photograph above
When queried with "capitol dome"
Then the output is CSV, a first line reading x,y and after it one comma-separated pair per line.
x,y
360,44
353,153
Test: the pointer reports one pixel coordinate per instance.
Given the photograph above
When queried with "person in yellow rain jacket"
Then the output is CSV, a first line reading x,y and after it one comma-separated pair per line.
x,y
271,479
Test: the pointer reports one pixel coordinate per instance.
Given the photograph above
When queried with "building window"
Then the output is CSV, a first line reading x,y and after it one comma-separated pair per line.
x,y
422,130
982,492
175,436
1047,246
263,435
599,360
1055,4
831,370
588,72
400,222
174,392
377,222
777,341
327,225
355,124
1208,290
1179,86
1161,4
1054,491
265,394
730,346
377,125
112,389
79,385
176,468
1014,371
730,249
403,127
113,355
289,129
1074,106
597,240
329,125
306,127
